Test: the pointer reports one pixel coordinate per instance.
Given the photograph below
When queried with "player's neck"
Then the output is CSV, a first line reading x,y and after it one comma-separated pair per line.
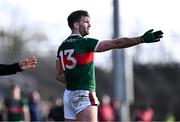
x,y
75,33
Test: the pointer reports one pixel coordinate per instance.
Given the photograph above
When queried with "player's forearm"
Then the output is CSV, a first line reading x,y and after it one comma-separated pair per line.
x,y
118,43
61,78
127,42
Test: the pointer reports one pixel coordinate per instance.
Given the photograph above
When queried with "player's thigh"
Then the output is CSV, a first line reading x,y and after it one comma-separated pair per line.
x,y
88,114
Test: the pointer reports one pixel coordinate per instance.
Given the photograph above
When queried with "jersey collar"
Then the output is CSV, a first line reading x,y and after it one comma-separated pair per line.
x,y
75,35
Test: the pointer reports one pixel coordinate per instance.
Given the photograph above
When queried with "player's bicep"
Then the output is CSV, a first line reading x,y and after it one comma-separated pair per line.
x,y
106,45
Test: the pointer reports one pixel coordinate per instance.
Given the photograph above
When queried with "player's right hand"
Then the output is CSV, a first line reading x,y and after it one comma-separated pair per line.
x,y
151,36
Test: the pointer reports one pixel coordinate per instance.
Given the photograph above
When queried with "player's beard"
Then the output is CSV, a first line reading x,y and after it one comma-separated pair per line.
x,y
84,32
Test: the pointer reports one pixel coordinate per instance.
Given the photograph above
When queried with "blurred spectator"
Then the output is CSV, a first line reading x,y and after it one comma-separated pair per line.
x,y
170,118
46,106
16,107
35,106
144,114
105,111
116,109
57,113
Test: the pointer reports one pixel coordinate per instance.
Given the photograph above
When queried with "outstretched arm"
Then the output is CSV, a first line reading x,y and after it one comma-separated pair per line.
x,y
59,72
118,43
8,69
148,37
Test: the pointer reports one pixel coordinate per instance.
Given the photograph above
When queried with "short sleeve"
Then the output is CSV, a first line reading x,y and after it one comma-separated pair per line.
x,y
58,52
90,44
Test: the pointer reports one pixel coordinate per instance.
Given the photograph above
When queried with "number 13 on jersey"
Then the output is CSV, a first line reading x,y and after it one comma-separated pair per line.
x,y
67,59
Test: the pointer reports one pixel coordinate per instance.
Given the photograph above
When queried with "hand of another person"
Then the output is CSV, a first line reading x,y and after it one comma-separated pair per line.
x,y
28,63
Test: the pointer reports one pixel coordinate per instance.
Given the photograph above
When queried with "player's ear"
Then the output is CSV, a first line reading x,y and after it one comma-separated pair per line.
x,y
76,25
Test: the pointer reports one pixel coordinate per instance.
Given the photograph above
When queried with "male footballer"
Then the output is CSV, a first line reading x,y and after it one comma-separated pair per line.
x,y
75,65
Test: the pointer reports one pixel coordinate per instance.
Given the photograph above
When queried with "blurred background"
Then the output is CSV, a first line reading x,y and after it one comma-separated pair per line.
x,y
149,76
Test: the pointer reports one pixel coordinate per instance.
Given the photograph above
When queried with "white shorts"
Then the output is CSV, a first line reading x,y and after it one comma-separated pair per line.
x,y
76,101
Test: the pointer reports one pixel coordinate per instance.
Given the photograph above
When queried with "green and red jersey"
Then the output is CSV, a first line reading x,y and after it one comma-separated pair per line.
x,y
14,109
76,55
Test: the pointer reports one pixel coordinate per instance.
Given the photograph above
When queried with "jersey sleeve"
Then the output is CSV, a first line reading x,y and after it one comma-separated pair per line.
x,y
90,44
59,49
58,53
8,69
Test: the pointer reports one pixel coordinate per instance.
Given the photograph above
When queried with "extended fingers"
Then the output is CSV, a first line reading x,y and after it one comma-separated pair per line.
x,y
158,34
32,60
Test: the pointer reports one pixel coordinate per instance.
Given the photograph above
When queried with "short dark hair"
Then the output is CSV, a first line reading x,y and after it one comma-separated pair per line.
x,y
76,17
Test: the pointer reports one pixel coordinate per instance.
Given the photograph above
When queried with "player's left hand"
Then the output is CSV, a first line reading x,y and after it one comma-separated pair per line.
x,y
28,63
150,36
